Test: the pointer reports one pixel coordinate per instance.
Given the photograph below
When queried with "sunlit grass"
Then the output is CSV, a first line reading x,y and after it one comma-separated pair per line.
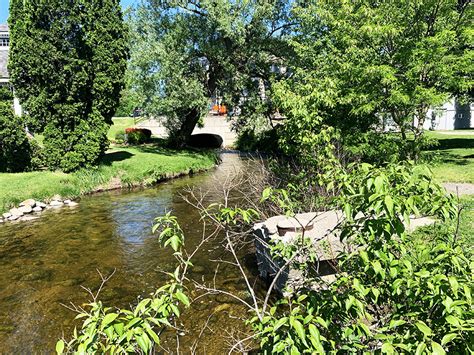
x,y
121,167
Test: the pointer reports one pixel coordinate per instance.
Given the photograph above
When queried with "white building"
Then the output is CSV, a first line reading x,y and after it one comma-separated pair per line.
x,y
4,77
452,115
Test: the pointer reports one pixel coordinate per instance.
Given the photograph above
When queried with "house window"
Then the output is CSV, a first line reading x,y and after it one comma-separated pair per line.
x,y
4,42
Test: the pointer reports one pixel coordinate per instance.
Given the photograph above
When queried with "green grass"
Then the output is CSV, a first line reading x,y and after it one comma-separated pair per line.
x,y
466,224
453,158
121,167
120,123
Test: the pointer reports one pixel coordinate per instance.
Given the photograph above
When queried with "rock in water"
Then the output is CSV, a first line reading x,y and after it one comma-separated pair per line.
x,y
37,209
7,215
56,203
72,204
30,202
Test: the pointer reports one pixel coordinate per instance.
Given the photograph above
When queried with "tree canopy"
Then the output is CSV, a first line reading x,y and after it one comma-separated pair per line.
x,y
186,52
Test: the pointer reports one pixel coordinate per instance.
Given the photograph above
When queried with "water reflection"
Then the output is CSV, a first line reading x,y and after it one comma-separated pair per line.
x,y
43,264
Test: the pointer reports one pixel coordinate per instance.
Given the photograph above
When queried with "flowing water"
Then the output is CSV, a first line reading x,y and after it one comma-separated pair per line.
x,y
44,263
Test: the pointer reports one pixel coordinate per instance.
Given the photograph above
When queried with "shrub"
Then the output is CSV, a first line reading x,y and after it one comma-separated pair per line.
x,y
137,135
120,137
15,149
72,94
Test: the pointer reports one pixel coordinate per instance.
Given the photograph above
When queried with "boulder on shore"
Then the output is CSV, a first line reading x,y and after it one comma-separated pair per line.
x,y
30,202
26,209
15,212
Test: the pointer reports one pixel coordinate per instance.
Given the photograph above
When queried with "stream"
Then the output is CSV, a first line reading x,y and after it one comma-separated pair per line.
x,y
44,263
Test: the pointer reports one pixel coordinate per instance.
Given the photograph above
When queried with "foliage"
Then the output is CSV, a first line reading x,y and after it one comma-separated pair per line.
x,y
120,137
381,148
135,136
117,331
71,93
6,95
364,62
394,292
187,52
250,141
15,149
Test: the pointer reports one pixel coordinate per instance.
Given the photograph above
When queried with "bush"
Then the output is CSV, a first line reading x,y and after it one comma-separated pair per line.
x,y
120,137
137,135
394,291
15,149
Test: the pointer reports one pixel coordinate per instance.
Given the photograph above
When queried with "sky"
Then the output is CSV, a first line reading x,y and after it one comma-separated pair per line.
x,y
4,8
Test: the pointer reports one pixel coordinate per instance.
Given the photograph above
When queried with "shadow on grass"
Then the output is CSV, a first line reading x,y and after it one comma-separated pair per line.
x,y
454,143
110,158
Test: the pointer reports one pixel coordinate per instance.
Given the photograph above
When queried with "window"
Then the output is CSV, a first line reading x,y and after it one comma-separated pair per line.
x,y
4,42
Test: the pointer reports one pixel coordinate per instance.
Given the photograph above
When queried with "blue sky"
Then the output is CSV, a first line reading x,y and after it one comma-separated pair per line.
x,y
4,8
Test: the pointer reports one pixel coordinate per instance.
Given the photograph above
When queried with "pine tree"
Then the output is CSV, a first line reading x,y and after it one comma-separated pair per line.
x,y
67,65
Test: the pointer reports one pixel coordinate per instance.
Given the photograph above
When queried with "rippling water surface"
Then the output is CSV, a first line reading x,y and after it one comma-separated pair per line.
x,y
43,264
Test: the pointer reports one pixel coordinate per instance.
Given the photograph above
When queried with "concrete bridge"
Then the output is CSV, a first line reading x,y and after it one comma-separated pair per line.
x,y
212,124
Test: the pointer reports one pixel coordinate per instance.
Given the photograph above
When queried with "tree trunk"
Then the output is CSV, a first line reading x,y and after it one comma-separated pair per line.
x,y
181,137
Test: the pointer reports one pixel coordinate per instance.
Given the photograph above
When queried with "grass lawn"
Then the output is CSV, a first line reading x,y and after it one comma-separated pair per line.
x,y
466,225
454,156
121,167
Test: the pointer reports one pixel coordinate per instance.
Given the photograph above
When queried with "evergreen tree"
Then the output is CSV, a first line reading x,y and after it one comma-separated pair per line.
x,y
67,65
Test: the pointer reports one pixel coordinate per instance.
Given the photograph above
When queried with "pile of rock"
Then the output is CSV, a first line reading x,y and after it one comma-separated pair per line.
x,y
29,209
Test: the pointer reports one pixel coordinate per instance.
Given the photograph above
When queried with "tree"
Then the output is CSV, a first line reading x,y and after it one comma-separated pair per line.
x,y
361,60
67,63
186,52
15,150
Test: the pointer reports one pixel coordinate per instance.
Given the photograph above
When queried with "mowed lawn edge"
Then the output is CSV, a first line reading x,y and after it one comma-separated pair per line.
x,y
122,167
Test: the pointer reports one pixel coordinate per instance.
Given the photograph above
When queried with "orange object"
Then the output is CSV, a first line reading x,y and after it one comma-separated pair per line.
x,y
215,108
222,110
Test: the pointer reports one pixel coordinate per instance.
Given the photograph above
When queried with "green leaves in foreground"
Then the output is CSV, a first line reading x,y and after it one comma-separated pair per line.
x,y
396,292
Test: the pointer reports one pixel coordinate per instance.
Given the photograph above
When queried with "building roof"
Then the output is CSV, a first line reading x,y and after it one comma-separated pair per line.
x,y
3,27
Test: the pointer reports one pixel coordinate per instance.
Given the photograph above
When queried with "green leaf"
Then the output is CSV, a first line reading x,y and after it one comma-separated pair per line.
x,y
437,349
423,328
182,297
296,324
388,348
109,318
389,205
448,338
60,347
